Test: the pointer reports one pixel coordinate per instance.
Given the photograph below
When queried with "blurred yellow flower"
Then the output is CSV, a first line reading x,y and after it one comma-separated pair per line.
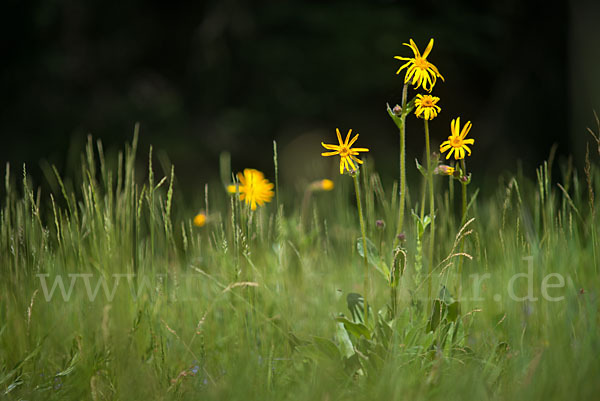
x,y
326,185
344,149
427,107
321,185
456,142
418,69
200,219
253,187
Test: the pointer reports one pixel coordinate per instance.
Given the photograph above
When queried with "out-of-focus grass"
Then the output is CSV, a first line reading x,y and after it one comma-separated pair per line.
x,y
244,307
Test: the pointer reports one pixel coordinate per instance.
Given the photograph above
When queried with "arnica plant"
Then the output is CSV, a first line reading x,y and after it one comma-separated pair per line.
x,y
113,287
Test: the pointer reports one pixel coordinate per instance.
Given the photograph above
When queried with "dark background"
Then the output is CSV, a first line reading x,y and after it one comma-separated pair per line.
x,y
213,76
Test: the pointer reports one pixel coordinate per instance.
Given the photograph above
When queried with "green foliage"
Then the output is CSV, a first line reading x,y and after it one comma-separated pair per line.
x,y
248,306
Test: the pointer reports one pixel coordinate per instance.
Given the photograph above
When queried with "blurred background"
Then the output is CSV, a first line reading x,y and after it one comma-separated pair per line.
x,y
211,76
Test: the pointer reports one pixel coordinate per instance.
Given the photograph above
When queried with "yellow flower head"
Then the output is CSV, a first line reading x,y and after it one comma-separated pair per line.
x,y
326,185
321,185
344,149
253,187
427,107
418,69
457,142
200,219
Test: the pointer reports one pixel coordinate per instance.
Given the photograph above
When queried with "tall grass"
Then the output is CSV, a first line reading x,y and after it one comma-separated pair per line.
x,y
249,306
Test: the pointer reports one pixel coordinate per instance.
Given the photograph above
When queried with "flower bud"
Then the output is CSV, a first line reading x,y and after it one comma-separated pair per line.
x,y
443,169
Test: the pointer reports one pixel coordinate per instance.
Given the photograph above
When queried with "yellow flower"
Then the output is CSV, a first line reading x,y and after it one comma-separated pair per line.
x,y
200,219
427,106
253,187
344,149
321,185
326,185
421,71
457,142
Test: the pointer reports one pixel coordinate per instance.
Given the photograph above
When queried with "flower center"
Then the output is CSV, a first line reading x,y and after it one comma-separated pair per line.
x,y
455,141
344,151
426,102
421,62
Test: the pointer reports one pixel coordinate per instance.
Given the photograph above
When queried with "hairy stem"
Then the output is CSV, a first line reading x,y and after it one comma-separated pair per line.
x,y
364,241
462,222
431,208
402,164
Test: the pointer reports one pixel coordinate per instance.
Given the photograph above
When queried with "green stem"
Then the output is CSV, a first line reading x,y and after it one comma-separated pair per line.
x,y
402,163
423,195
364,241
464,193
431,208
462,222
451,193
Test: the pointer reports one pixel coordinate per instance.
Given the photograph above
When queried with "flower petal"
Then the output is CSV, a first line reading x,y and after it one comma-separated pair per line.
x,y
330,147
351,163
428,48
356,159
466,129
348,138
414,48
339,136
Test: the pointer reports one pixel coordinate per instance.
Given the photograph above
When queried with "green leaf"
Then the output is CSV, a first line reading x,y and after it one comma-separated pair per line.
x,y
421,224
295,341
384,331
357,329
372,253
356,306
445,295
421,168
326,347
398,267
409,106
373,257
453,311
438,312
355,303
344,340
445,309
352,364
374,363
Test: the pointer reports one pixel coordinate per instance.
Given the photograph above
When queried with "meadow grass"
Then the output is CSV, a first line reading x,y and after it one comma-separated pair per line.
x,y
259,305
